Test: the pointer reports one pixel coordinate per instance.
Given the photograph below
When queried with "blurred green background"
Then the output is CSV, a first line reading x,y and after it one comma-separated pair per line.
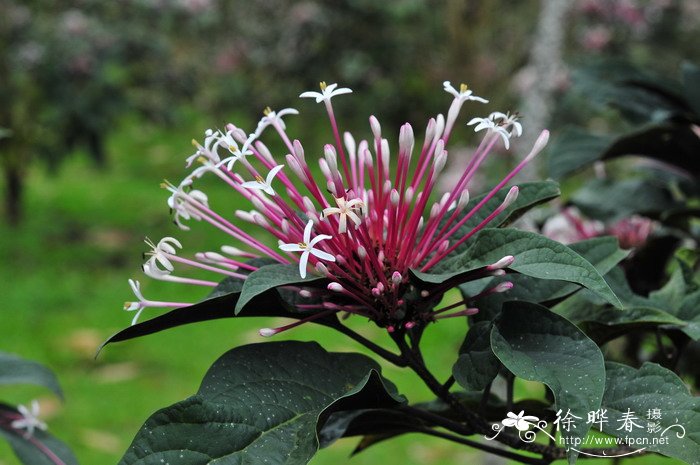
x,y
98,103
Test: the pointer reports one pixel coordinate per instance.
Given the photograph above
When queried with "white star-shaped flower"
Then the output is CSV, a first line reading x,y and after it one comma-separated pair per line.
x,y
29,420
135,306
307,248
206,152
227,140
264,184
521,421
463,94
159,253
508,120
345,209
271,117
181,202
490,125
327,92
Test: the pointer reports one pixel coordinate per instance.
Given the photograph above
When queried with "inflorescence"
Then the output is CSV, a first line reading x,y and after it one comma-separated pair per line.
x,y
371,216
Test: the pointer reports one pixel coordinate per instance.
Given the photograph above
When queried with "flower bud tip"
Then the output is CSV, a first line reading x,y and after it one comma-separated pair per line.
x,y
267,332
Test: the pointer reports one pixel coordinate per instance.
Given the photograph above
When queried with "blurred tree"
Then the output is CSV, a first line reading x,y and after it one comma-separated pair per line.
x,y
71,68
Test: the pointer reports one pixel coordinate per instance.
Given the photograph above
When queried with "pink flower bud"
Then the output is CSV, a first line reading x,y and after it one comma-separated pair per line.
x,y
376,127
540,144
430,130
267,332
298,150
322,270
394,197
510,197
502,287
362,252
504,262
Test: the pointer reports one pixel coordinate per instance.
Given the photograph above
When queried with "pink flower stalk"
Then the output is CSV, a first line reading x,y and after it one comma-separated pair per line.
x,y
372,214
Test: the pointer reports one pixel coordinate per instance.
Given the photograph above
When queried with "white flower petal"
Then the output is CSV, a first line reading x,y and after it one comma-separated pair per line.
x,y
317,239
302,263
311,94
253,185
307,232
291,247
322,255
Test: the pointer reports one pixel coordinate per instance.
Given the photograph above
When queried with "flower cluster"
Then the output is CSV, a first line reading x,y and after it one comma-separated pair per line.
x,y
570,226
370,216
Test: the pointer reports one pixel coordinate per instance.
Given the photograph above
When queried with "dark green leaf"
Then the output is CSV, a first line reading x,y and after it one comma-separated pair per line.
x,y
41,448
640,96
270,277
640,392
689,313
535,256
602,252
671,305
573,150
609,200
672,143
230,284
671,296
368,422
476,366
16,370
222,306
603,323
262,403
538,345
530,195
691,85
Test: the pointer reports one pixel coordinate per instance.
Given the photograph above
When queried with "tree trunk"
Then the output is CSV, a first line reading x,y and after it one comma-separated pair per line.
x,y
14,189
547,64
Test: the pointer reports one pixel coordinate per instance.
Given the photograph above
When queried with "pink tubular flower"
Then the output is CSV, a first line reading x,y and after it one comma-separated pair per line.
x,y
366,216
569,226
632,232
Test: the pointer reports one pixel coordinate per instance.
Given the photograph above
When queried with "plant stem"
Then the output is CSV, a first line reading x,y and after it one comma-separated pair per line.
x,y
435,419
382,352
474,422
493,450
485,398
449,383
510,382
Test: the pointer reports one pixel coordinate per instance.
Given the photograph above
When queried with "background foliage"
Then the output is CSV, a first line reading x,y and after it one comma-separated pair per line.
x,y
100,100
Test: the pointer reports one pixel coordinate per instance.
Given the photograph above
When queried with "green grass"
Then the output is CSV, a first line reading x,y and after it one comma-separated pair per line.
x,y
64,277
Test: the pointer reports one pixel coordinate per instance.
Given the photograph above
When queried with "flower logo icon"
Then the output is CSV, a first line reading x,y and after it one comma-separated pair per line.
x,y
521,421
